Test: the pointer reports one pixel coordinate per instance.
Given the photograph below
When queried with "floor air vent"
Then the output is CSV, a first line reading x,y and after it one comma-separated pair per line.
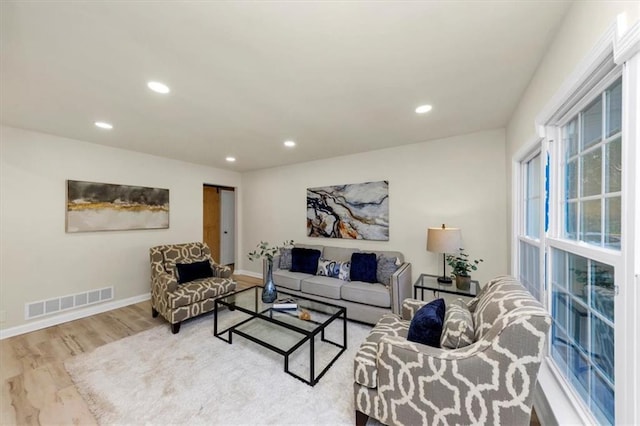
x,y
64,303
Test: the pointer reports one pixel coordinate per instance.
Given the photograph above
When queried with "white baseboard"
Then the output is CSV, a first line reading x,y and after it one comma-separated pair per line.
x,y
72,315
248,273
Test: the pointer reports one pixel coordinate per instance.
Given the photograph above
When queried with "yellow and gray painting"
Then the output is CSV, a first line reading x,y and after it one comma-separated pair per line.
x,y
93,206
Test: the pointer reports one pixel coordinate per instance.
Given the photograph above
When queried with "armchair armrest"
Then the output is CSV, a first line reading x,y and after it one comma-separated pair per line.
x,y
401,287
219,271
164,283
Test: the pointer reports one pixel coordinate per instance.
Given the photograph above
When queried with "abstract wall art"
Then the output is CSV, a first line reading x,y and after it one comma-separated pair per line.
x,y
93,206
354,211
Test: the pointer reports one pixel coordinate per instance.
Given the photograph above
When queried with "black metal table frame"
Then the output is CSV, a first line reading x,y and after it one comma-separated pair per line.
x,y
451,290
267,315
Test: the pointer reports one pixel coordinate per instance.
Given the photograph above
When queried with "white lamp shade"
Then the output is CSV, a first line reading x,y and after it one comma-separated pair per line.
x,y
443,240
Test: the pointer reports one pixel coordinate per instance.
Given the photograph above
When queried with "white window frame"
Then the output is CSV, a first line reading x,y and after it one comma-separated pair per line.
x,y
538,146
620,49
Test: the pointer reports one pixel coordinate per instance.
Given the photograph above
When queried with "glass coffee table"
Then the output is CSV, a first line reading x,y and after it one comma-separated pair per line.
x,y
284,331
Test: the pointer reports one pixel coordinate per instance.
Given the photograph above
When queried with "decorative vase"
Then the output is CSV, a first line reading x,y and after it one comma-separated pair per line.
x,y
463,282
269,292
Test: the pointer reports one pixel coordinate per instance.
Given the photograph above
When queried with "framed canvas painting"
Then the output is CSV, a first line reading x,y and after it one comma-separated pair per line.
x,y
354,211
93,206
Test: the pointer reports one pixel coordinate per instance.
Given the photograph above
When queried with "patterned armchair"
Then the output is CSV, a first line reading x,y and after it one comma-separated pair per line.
x,y
176,302
491,381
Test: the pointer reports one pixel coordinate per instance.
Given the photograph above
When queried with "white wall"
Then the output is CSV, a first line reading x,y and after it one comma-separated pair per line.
x,y
39,260
459,181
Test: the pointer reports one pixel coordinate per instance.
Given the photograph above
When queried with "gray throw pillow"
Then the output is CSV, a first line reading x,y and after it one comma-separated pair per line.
x,y
285,258
386,268
457,330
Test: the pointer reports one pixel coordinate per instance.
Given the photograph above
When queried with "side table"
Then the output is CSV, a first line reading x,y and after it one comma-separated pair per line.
x,y
430,283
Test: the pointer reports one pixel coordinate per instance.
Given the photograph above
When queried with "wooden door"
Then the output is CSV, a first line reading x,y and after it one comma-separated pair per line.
x,y
211,219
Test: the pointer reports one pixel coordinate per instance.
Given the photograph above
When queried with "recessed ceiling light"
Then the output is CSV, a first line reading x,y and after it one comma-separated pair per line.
x,y
289,144
423,108
158,87
230,159
103,125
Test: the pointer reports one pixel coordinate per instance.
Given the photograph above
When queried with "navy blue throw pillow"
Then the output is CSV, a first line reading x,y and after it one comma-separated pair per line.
x,y
364,267
304,260
193,271
426,325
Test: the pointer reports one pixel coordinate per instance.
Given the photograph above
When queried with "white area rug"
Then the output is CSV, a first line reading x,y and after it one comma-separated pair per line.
x,y
155,377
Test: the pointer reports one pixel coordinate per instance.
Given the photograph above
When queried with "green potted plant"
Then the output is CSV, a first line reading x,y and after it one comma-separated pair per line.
x,y
461,267
266,251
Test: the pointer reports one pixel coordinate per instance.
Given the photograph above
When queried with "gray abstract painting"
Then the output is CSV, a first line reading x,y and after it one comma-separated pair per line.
x,y
93,206
355,211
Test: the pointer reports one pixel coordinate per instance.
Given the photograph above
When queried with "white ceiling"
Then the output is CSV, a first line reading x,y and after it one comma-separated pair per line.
x,y
336,77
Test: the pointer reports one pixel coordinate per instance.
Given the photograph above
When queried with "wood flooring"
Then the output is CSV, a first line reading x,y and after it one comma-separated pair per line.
x,y
36,389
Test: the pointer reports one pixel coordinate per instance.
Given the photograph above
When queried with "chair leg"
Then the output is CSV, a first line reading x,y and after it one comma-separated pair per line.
x,y
175,328
361,418
154,313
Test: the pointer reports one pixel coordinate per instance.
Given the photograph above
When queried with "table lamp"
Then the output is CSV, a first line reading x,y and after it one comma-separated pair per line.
x,y
443,240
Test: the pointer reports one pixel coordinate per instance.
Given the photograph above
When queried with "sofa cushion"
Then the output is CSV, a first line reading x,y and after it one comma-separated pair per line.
x,y
426,325
322,286
304,260
285,258
367,293
457,330
363,267
288,279
341,254
365,362
187,272
385,268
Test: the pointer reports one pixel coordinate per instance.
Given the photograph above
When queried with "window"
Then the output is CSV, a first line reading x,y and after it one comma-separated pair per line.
x,y
530,269
532,197
582,333
529,235
581,255
592,142
583,278
586,250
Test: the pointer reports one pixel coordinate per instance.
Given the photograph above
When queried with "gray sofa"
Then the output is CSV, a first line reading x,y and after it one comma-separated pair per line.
x,y
365,302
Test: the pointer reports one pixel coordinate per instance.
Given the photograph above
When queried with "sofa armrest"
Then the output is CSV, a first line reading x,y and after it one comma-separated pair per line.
x,y
401,287
410,307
